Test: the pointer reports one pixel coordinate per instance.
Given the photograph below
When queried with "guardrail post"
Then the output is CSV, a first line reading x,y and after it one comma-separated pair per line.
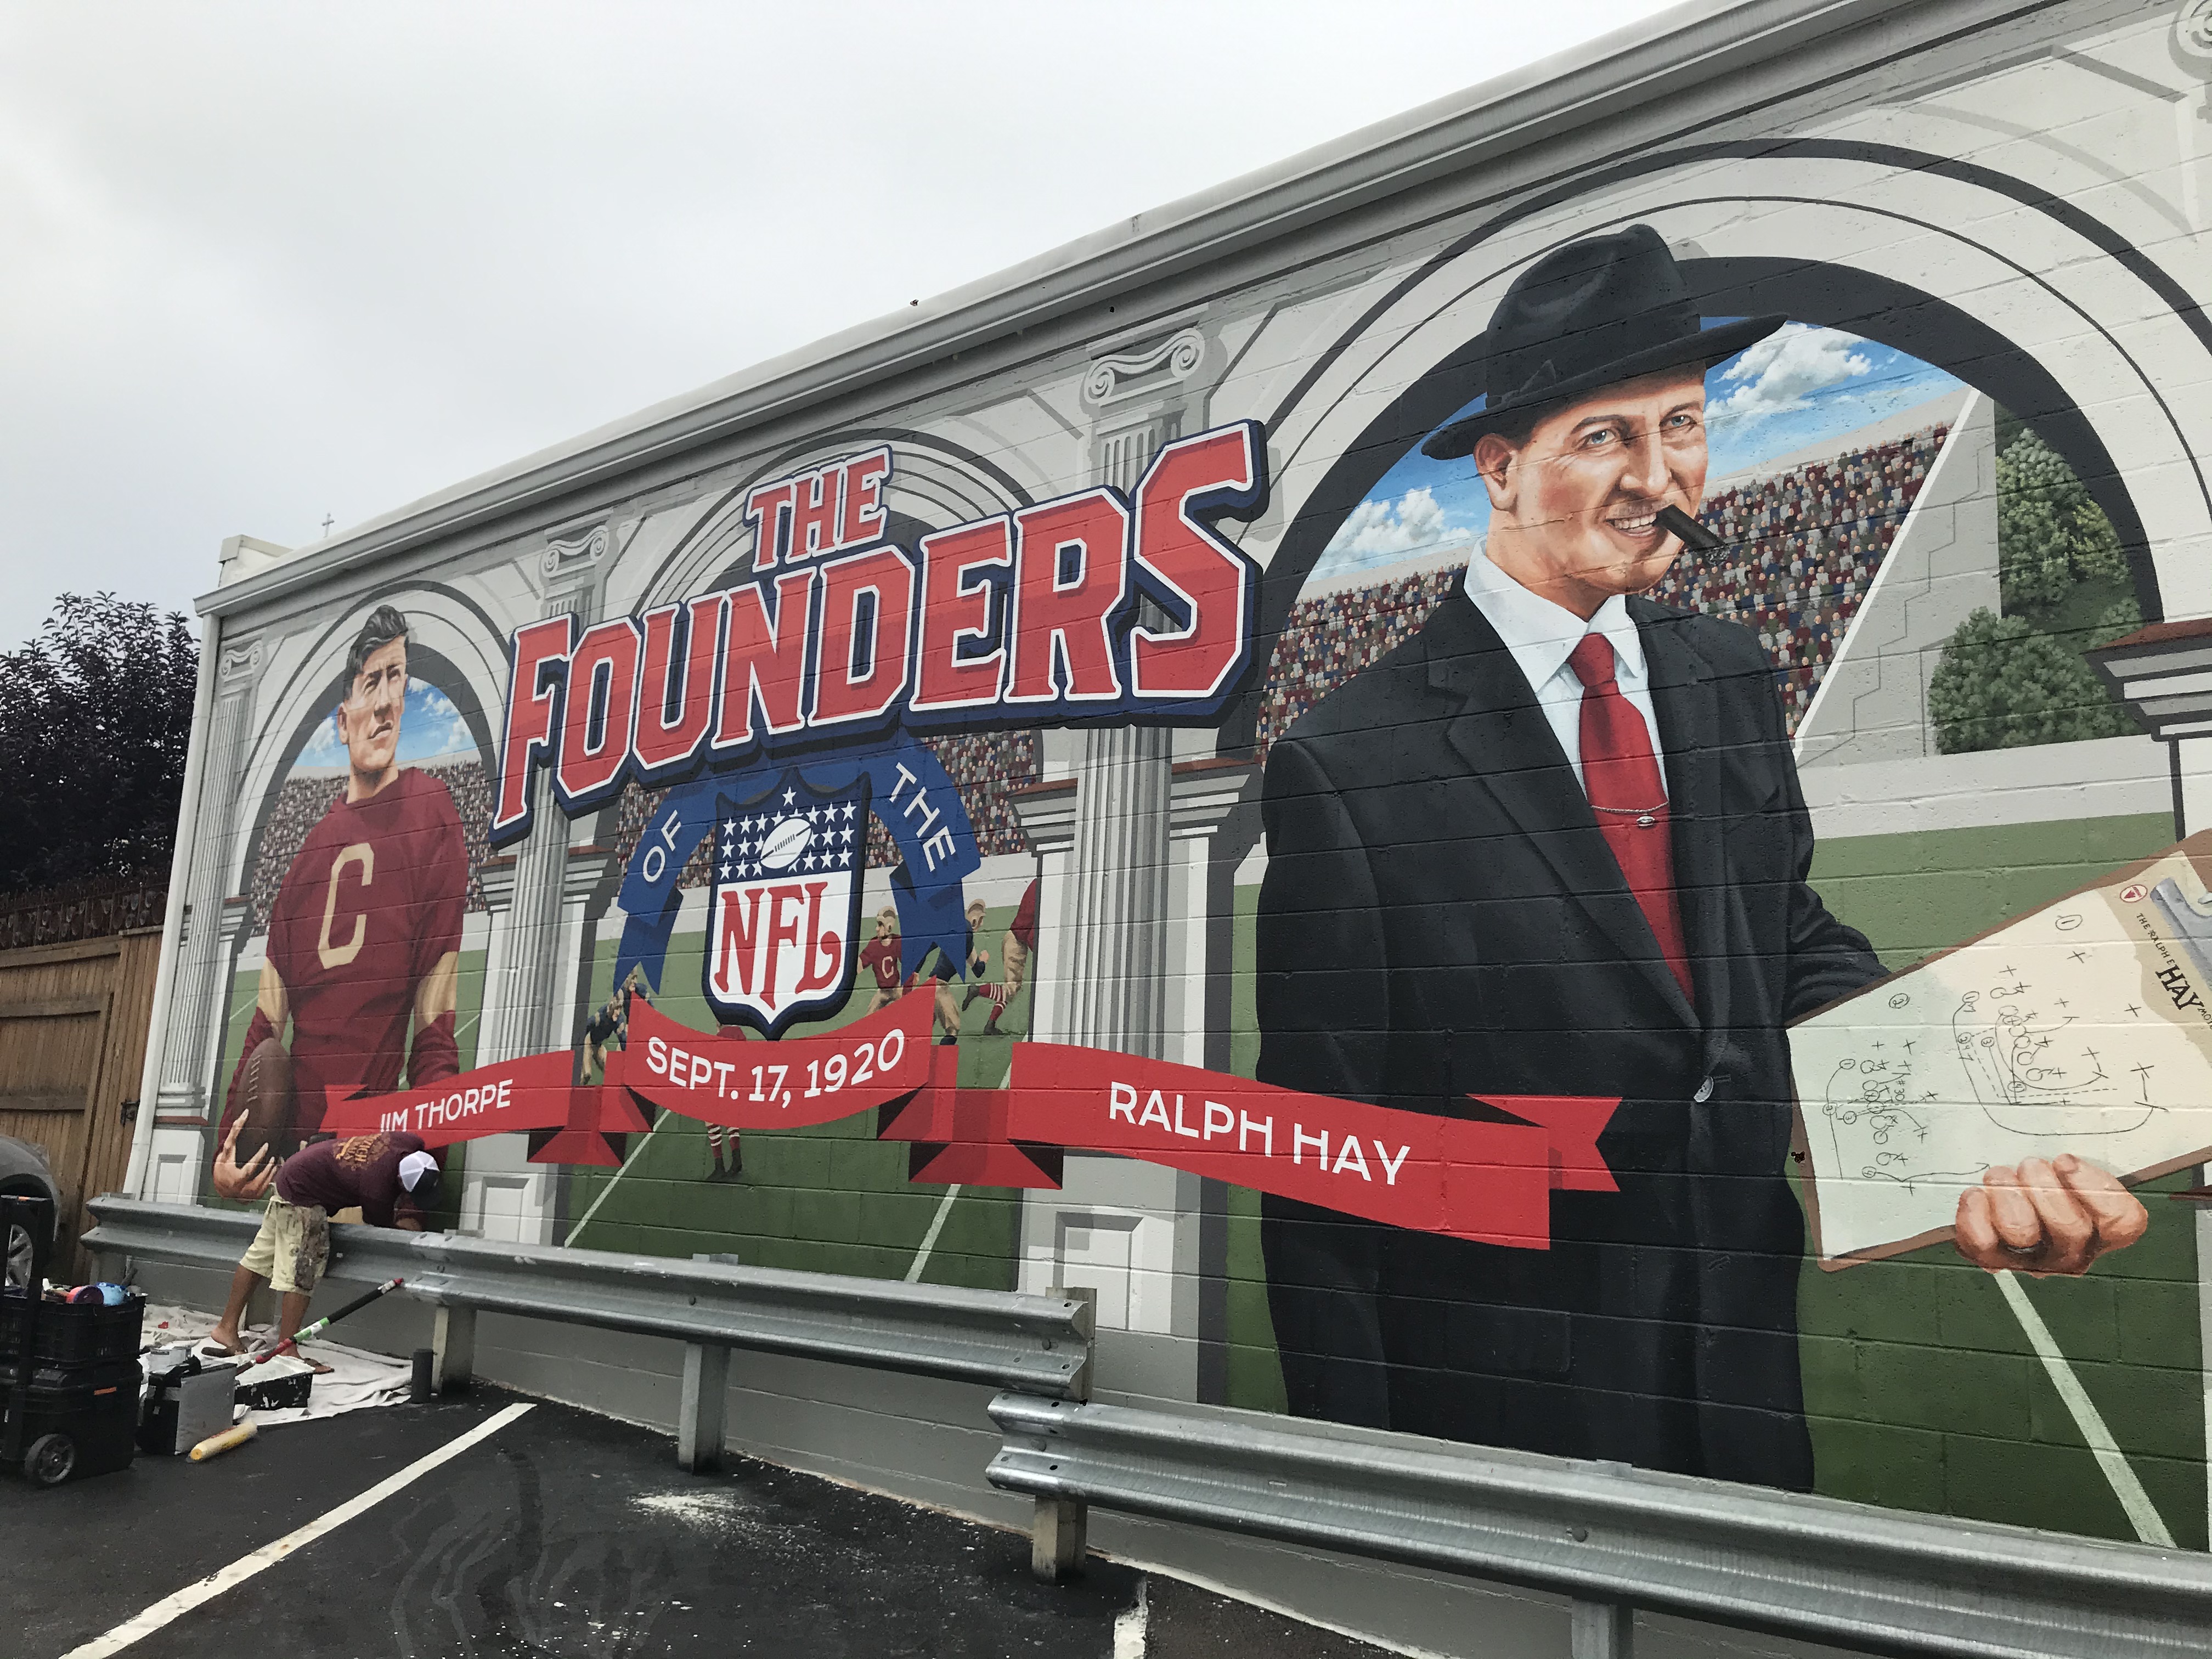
x,y
706,1387
453,1346
699,1423
1601,1629
1060,1527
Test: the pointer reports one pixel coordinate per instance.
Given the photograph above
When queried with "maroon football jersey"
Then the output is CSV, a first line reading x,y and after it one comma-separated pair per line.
x,y
371,903
881,957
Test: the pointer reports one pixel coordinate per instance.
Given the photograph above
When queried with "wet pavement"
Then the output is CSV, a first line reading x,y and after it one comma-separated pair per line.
x,y
562,1533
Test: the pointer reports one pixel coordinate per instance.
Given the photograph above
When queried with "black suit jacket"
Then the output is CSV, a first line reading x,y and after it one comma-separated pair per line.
x,y
1441,919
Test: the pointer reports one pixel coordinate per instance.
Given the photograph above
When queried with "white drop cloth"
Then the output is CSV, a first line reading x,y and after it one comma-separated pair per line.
x,y
356,1379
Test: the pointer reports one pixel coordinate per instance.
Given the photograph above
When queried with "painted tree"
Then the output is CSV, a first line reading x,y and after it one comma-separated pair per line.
x,y
2063,582
2002,684
96,714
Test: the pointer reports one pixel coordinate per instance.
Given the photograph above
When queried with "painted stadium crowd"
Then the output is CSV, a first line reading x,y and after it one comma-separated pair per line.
x,y
303,800
1330,638
1802,549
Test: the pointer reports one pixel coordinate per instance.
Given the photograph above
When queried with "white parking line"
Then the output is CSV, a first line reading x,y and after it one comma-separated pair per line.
x,y
170,1608
1133,1624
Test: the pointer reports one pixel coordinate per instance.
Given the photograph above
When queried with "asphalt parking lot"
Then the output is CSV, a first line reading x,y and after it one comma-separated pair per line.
x,y
556,1532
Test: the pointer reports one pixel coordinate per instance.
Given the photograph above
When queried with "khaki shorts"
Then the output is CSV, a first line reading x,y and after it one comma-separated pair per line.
x,y
293,1247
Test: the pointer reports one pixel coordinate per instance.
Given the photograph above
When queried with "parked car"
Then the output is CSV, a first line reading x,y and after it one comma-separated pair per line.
x,y
25,1173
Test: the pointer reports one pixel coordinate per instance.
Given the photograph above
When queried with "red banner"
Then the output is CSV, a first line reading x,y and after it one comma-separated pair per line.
x,y
1487,1181
530,1093
785,1084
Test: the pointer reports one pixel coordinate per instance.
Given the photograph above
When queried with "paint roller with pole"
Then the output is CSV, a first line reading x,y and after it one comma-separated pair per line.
x,y
323,1324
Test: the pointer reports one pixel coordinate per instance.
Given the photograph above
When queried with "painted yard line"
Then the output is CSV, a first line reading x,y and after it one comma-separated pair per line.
x,y
2142,1513
929,1238
594,1207
170,1608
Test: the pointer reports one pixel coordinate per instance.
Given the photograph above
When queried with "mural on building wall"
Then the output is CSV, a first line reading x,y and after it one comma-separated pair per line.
x,y
1536,844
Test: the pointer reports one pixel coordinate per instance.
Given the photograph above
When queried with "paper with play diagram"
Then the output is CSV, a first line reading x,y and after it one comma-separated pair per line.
x,y
2082,1027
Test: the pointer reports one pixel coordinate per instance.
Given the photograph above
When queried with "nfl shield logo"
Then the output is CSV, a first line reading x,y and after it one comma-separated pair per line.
x,y
783,927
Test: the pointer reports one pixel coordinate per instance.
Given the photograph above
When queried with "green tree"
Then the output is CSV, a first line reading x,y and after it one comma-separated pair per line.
x,y
2116,621
2064,585
2002,685
2094,547
96,714
2051,537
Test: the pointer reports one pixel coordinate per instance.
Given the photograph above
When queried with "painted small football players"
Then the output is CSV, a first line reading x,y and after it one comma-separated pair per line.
x,y
364,936
610,1027
1015,957
1020,939
880,956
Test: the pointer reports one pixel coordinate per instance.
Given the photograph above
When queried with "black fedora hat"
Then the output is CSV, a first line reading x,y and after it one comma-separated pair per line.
x,y
1591,314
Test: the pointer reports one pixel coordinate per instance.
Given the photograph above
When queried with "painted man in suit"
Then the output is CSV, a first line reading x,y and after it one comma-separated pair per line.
x,y
1554,845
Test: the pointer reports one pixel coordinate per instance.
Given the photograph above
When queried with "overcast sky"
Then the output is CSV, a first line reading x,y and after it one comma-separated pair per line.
x,y
264,263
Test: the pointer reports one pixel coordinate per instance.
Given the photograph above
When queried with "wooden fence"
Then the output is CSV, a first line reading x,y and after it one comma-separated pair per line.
x,y
75,995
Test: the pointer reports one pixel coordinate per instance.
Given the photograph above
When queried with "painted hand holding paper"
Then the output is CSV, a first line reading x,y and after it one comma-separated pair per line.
x,y
2080,1028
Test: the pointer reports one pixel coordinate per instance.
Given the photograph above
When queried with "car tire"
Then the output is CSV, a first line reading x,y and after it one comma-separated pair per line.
x,y
18,1266
21,1256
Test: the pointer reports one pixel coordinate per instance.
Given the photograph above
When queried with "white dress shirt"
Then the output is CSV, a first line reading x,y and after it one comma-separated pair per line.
x,y
1541,635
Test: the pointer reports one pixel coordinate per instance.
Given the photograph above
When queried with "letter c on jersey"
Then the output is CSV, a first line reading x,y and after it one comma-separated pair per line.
x,y
336,956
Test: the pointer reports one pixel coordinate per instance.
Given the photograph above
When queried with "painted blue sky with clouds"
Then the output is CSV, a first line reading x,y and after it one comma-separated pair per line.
x,y
1796,389
430,727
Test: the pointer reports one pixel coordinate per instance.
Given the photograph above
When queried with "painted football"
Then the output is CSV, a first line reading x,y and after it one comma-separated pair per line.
x,y
784,844
269,1101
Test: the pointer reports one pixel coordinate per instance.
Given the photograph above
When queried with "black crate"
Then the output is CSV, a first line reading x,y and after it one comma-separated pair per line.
x,y
95,1405
74,1333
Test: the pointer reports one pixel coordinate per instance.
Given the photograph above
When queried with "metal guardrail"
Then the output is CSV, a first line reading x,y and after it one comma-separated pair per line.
x,y
1615,1538
1038,1344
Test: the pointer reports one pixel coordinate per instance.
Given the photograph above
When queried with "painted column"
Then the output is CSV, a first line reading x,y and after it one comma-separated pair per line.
x,y
1126,1229
195,1027
528,973
528,996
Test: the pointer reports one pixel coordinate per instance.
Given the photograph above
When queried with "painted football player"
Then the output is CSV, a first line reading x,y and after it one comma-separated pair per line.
x,y
364,936
880,956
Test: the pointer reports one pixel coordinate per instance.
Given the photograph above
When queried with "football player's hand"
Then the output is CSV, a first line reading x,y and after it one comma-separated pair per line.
x,y
241,1186
2047,1217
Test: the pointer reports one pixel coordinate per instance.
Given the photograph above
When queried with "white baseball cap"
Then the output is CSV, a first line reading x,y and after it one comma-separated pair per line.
x,y
414,1166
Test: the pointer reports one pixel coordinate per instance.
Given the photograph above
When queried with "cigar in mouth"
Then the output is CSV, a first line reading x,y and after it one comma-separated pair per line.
x,y
1692,534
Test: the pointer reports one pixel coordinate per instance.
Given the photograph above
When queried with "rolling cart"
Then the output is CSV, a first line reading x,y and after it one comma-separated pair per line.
x,y
69,1373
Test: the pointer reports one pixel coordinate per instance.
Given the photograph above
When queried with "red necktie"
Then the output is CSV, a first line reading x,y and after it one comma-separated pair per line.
x,y
1620,774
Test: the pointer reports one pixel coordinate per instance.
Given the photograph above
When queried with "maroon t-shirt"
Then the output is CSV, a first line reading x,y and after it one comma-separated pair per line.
x,y
337,1175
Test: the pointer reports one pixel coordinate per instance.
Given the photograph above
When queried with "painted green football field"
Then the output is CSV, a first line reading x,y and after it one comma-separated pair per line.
x,y
830,1199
